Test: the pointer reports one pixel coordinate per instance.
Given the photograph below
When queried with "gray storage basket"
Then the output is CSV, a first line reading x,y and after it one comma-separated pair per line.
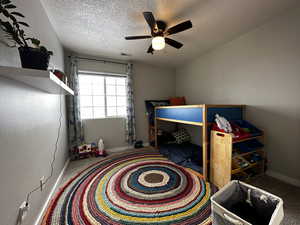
x,y
267,208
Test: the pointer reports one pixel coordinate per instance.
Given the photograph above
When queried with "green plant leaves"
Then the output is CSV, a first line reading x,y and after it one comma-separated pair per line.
x,y
10,6
10,31
44,49
12,27
13,18
35,41
5,12
4,2
17,14
7,27
24,24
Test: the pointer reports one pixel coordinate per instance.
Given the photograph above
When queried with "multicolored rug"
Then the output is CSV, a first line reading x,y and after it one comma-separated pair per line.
x,y
135,188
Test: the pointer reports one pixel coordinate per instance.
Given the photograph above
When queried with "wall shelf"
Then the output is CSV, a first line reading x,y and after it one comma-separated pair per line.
x,y
40,79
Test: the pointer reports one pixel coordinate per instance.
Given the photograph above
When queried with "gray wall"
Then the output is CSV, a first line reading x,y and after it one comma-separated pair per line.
x,y
29,124
260,69
149,83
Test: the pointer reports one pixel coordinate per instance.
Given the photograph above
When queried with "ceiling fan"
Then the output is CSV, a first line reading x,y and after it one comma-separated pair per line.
x,y
159,33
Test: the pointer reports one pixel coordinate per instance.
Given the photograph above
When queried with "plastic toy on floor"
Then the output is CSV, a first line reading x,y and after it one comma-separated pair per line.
x,y
90,150
84,150
100,151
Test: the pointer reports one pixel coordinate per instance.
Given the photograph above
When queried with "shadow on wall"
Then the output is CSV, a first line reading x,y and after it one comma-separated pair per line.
x,y
282,135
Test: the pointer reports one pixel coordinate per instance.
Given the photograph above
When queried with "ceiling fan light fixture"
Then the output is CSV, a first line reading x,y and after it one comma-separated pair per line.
x,y
158,43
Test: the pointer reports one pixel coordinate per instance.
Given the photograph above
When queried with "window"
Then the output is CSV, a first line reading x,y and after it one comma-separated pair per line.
x,y
102,96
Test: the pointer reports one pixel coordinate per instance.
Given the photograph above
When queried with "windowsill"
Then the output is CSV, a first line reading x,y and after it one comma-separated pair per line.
x,y
114,117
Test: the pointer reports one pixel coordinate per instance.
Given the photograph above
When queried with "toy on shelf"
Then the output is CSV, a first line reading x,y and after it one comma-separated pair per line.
x,y
255,157
241,162
239,129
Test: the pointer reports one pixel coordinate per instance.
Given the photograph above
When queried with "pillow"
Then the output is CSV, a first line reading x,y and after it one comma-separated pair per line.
x,y
177,101
181,136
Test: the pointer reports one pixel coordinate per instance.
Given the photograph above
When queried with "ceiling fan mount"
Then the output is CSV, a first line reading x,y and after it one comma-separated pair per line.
x,y
159,33
161,27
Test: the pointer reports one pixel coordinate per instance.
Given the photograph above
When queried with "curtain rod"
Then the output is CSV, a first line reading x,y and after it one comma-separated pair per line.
x,y
99,60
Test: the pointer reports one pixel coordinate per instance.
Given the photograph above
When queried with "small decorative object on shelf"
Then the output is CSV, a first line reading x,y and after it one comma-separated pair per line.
x,y
32,57
62,76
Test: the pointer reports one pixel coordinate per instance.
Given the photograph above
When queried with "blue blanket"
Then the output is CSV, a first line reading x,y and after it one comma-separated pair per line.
x,y
186,154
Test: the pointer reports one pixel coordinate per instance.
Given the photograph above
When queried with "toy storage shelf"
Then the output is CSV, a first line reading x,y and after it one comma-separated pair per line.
x,y
224,156
246,139
40,79
239,170
248,153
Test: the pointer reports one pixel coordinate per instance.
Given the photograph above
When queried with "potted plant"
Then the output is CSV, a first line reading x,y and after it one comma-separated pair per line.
x,y
32,56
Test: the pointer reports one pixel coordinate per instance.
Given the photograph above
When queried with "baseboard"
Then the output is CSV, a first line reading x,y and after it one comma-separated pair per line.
x,y
53,190
124,148
119,149
284,178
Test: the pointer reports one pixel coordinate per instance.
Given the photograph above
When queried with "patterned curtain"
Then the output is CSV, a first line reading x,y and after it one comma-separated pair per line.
x,y
75,127
130,120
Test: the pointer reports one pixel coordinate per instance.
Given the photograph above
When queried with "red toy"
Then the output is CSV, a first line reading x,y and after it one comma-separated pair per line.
x,y
238,132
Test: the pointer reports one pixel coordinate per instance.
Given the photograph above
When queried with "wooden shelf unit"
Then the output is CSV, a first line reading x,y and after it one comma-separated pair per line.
x,y
223,155
40,79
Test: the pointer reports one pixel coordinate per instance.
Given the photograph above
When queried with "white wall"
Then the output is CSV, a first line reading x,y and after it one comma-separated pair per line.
x,y
149,83
29,124
260,69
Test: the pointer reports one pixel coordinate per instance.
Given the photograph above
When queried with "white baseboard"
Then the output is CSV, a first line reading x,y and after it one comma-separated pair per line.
x,y
284,178
124,148
53,190
147,144
119,149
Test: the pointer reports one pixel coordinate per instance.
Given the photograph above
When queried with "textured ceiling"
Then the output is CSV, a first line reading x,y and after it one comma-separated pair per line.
x,y
98,27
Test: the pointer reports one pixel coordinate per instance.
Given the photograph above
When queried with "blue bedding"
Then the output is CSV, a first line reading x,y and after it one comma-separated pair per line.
x,y
186,154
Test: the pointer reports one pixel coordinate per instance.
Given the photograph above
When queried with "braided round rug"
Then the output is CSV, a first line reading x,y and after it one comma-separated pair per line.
x,y
134,188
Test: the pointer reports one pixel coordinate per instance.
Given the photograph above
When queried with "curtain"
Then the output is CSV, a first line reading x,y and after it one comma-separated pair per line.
x,y
130,120
75,127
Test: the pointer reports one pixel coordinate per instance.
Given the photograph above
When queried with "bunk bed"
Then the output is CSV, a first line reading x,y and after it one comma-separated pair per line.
x,y
197,115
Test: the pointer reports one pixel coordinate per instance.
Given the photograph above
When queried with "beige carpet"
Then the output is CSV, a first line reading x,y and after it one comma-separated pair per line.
x,y
290,195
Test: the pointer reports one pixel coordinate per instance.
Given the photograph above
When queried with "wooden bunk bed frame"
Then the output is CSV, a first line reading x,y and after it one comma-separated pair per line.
x,y
198,115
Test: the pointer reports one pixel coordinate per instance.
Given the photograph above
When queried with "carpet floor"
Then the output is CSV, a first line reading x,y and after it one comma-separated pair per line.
x,y
136,188
290,195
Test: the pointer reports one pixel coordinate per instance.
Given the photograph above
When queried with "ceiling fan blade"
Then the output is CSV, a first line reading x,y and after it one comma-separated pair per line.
x,y
173,43
138,37
150,49
150,20
180,27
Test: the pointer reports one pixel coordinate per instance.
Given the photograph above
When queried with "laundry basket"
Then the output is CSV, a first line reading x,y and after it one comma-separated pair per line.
x,y
238,203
